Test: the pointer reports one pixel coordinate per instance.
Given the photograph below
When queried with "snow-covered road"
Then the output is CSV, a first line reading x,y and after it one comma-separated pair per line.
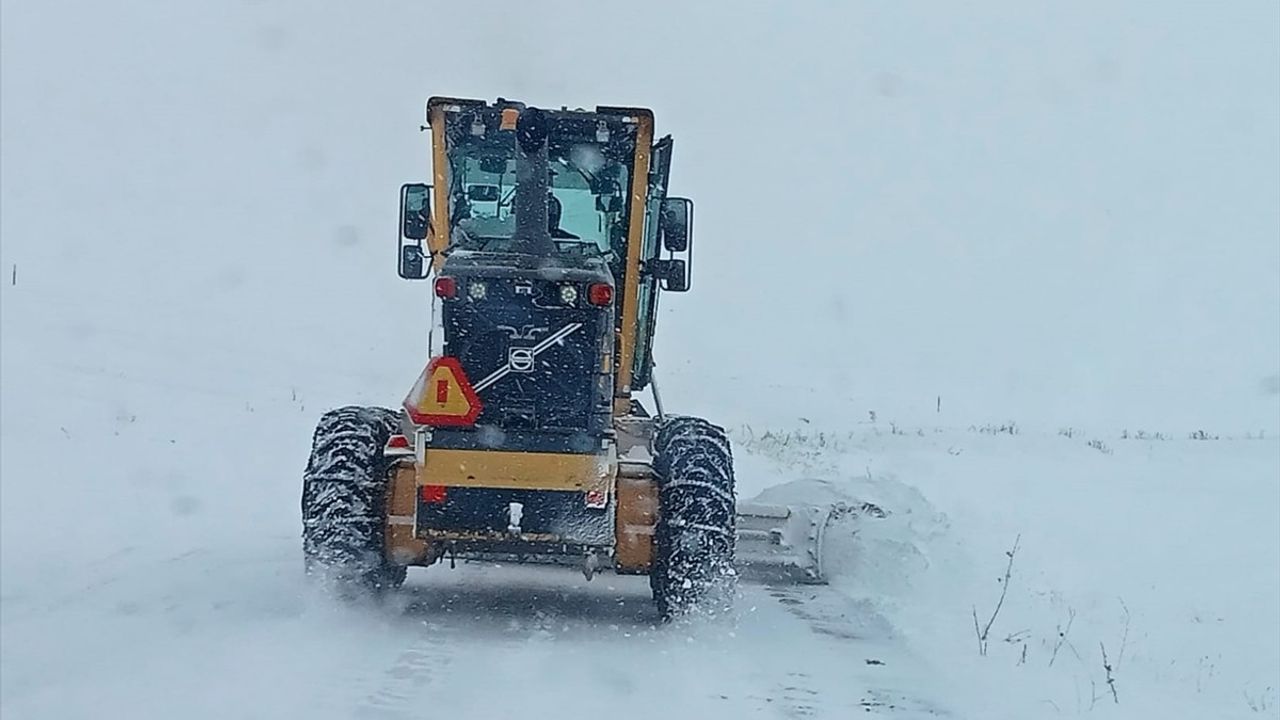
x,y
216,633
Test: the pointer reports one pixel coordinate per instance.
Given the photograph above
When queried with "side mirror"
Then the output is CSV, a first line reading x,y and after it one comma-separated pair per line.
x,y
676,224
673,274
415,210
415,224
412,262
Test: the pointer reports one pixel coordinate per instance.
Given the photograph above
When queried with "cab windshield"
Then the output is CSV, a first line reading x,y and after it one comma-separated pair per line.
x,y
589,174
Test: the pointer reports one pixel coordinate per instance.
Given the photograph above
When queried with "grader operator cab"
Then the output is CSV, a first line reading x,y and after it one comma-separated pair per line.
x,y
549,236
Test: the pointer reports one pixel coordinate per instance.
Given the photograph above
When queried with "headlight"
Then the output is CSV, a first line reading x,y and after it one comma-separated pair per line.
x,y
477,290
568,294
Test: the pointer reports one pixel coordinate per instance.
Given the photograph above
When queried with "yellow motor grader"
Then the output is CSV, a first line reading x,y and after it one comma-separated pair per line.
x,y
548,237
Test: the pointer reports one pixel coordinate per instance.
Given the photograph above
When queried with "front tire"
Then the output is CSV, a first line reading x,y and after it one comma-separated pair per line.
x,y
344,493
693,568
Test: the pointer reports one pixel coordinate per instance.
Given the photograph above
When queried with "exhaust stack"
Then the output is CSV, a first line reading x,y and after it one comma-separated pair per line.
x,y
532,235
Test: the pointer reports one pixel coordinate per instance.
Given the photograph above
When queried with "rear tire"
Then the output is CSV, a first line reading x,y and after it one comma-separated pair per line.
x,y
693,565
344,502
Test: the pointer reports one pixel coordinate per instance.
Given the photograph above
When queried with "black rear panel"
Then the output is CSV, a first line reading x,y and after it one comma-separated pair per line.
x,y
533,358
504,331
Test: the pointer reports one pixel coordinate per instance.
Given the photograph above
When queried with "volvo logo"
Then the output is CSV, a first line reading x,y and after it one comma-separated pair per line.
x,y
521,359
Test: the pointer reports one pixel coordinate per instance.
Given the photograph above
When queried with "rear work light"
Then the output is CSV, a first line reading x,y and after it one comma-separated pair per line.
x,y
433,494
446,287
600,294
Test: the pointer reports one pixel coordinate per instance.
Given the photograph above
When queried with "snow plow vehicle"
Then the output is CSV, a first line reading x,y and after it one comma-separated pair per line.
x,y
548,237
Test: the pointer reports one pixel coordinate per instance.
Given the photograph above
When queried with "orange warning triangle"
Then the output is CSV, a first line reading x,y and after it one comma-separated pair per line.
x,y
443,396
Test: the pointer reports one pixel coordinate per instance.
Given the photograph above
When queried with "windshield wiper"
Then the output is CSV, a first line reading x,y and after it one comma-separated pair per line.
x,y
585,175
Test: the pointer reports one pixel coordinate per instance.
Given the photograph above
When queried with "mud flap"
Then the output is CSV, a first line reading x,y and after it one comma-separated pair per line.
x,y
782,543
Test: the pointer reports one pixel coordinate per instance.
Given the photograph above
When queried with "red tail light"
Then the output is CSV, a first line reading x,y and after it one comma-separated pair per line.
x,y
597,499
433,494
398,441
446,287
600,294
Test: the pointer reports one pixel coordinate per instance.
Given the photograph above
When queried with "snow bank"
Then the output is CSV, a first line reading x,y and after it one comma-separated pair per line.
x,y
1162,551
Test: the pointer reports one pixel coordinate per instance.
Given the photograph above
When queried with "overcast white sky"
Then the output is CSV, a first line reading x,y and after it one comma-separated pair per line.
x,y
1060,212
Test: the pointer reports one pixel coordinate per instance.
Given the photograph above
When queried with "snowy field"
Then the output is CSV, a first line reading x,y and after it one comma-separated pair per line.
x,y
1032,295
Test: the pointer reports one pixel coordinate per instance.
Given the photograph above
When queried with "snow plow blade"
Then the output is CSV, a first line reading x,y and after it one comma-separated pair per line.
x,y
782,543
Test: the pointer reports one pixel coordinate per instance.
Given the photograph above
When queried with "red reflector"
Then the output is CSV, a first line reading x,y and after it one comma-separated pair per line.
x,y
446,287
398,441
443,396
600,294
432,494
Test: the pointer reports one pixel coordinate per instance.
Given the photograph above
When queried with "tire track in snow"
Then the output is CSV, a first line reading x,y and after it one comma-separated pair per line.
x,y
871,643
795,653
798,698
413,670
453,623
